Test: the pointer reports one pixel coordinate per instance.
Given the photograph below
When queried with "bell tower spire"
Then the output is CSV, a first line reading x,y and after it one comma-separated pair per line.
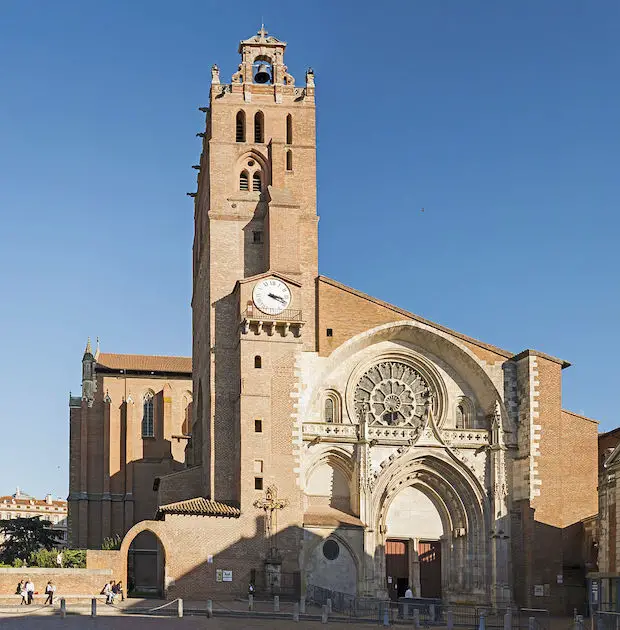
x,y
255,217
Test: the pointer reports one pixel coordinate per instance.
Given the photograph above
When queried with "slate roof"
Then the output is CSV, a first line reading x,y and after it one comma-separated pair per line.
x,y
199,506
144,363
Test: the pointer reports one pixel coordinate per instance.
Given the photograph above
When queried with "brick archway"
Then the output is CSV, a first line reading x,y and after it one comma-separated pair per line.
x,y
158,531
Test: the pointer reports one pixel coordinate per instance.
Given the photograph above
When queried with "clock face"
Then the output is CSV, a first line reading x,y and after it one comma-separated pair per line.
x,y
271,296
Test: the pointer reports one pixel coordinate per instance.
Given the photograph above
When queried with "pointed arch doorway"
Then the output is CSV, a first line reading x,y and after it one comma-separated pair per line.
x,y
146,566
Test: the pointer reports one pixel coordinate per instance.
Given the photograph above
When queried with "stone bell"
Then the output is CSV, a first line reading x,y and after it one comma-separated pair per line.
x,y
262,74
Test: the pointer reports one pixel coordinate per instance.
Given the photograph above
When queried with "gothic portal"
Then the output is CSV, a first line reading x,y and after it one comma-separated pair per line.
x,y
338,441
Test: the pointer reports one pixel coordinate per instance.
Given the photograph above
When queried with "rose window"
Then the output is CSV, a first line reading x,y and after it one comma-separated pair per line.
x,y
391,393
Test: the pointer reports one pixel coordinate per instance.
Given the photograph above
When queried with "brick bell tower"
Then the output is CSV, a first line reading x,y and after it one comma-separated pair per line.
x,y
255,268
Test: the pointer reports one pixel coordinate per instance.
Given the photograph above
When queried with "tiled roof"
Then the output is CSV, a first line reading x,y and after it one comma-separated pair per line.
x,y
27,501
331,517
199,507
144,363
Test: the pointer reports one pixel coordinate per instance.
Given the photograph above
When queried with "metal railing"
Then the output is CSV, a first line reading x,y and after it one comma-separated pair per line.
x,y
606,620
287,315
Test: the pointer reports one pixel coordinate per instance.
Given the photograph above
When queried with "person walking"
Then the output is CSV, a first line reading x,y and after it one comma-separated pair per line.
x,y
29,591
21,591
50,589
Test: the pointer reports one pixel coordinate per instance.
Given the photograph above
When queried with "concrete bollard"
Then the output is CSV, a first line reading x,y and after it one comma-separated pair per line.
x,y
482,623
93,607
296,611
63,608
531,623
329,606
276,603
508,620
250,603
179,607
209,608
386,616
302,606
416,618
324,614
450,620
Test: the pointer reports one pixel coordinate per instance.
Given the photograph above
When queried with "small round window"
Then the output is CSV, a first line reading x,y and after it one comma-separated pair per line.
x,y
251,163
331,549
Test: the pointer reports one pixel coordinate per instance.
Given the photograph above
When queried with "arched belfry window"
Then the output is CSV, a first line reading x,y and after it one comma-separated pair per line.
x,y
258,362
240,126
289,160
148,425
331,407
259,127
257,183
244,182
289,129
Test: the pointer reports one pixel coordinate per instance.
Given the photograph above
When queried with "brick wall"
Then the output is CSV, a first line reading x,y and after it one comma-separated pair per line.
x,y
67,581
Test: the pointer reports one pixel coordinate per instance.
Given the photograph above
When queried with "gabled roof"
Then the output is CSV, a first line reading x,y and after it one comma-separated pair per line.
x,y
417,318
144,363
198,506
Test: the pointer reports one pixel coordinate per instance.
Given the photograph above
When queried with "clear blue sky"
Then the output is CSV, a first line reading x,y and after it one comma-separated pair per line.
x,y
499,118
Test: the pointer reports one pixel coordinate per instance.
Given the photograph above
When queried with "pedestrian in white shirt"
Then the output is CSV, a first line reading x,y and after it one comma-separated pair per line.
x,y
29,590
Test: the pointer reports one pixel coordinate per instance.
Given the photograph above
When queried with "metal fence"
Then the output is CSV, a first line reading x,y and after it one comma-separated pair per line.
x,y
606,620
429,612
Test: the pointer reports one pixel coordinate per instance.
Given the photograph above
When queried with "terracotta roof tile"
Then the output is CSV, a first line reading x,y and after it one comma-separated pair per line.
x,y
331,517
144,363
199,506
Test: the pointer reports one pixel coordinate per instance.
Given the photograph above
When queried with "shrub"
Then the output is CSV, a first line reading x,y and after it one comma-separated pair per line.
x,y
112,543
74,558
43,558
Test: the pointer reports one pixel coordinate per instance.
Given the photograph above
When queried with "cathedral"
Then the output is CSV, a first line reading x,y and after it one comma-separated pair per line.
x,y
333,440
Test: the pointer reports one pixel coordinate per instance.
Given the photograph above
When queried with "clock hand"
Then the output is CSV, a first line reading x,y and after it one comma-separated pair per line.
x,y
277,297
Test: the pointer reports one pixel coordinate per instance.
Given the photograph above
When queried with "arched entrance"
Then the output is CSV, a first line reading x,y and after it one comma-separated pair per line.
x,y
146,566
414,532
432,519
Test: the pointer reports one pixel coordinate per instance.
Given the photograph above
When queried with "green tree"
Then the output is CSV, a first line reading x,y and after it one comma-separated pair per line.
x,y
23,536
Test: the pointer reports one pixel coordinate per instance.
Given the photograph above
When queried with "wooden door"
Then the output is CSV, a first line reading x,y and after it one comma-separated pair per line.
x,y
429,553
396,567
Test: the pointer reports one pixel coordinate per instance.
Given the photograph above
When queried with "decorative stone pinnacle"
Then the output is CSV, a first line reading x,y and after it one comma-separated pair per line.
x,y
88,349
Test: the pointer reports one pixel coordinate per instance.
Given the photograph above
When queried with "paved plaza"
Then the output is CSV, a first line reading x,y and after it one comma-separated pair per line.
x,y
136,622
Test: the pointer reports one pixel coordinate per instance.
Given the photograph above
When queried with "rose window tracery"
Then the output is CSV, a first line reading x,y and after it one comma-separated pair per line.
x,y
392,394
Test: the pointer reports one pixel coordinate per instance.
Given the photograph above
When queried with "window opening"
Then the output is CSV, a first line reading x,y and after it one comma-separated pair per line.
x,y
240,127
258,483
148,428
257,184
259,124
330,332
289,160
289,129
257,237
258,426
244,183
329,410
258,362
